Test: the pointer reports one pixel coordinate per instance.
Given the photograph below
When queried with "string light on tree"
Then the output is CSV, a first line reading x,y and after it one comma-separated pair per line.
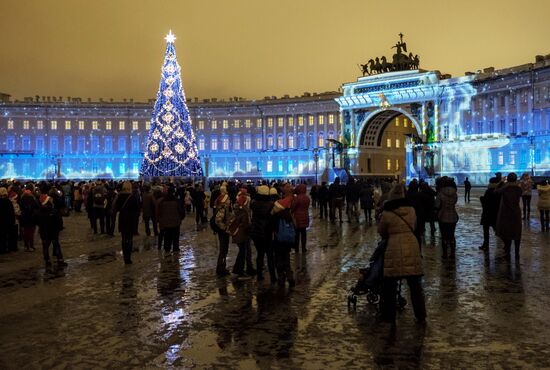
x,y
171,144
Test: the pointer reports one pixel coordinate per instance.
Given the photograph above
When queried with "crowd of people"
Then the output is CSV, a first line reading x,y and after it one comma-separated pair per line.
x,y
271,216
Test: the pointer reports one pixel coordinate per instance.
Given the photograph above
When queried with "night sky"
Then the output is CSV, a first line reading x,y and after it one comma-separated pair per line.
x,y
250,48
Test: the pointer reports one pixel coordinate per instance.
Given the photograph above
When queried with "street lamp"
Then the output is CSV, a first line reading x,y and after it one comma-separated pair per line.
x,y
316,159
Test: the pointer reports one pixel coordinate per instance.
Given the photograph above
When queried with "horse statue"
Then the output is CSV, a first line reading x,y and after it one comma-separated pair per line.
x,y
365,69
385,65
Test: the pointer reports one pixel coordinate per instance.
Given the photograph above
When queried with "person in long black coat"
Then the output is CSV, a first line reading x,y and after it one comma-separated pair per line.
x,y
490,202
127,205
50,224
509,214
7,219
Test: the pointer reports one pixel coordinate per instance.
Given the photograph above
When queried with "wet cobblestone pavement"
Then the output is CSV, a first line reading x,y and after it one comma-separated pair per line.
x,y
484,311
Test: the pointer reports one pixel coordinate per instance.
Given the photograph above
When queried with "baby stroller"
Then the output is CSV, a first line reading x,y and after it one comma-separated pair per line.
x,y
370,281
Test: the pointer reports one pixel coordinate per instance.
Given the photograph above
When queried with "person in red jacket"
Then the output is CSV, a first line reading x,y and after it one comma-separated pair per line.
x,y
300,211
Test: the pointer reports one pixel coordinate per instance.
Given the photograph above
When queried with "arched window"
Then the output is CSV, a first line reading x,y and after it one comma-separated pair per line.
x,y
280,142
269,141
291,141
321,139
301,141
311,142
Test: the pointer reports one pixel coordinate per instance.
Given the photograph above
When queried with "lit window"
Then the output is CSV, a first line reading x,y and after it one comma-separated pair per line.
x,y
25,125
201,125
269,166
321,119
81,125
280,122
405,122
108,125
214,144
280,142
500,158
270,141
247,143
225,143
237,166
258,143
270,122
397,122
214,124
259,123
388,164
236,143
201,143
321,140
513,157
225,123
397,164
94,125
331,119
300,120
121,125
67,125
147,125
280,166
236,123
291,141
248,166
247,123
54,125
10,125
291,121
39,125
290,166
310,120
135,125
397,143
388,143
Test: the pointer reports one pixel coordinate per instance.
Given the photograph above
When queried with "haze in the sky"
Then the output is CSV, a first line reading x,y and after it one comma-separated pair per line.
x,y
251,48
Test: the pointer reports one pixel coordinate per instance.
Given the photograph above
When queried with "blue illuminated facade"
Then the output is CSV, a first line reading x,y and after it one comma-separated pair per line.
x,y
474,125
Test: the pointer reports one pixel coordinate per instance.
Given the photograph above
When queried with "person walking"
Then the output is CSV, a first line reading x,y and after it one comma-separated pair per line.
x,y
352,199
50,225
509,214
170,212
126,205
29,218
402,259
336,198
198,197
148,210
467,189
322,195
490,202
284,238
447,215
543,204
526,185
260,232
300,212
367,201
221,216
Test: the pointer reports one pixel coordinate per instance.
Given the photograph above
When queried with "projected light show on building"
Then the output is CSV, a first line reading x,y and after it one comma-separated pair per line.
x,y
474,125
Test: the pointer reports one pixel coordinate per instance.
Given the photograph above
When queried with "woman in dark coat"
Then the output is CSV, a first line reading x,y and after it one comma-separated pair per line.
x,y
29,218
7,219
240,231
300,211
509,214
367,201
127,204
260,232
170,213
447,215
490,202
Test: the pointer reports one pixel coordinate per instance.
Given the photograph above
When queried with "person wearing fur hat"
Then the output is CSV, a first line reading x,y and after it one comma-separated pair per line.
x,y
7,219
281,213
221,216
508,226
50,225
402,258
260,232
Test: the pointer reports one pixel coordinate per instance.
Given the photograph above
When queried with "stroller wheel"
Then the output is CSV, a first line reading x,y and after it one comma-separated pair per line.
x,y
372,298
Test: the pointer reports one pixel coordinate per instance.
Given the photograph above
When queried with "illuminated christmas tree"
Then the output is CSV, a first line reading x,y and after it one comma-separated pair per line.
x,y
171,144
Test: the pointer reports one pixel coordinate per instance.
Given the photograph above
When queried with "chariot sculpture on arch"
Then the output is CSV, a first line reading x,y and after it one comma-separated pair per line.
x,y
400,61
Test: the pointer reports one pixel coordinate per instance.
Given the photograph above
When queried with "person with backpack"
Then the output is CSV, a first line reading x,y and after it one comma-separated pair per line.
x,y
50,225
284,236
221,216
127,206
29,218
260,232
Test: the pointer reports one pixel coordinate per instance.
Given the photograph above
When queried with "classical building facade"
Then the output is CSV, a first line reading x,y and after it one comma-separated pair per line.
x,y
403,123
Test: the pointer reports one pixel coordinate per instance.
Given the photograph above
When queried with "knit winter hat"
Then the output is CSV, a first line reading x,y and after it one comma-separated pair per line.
x,y
262,190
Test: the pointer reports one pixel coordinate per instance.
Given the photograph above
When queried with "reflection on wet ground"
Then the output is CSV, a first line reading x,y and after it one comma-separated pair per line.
x,y
172,311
